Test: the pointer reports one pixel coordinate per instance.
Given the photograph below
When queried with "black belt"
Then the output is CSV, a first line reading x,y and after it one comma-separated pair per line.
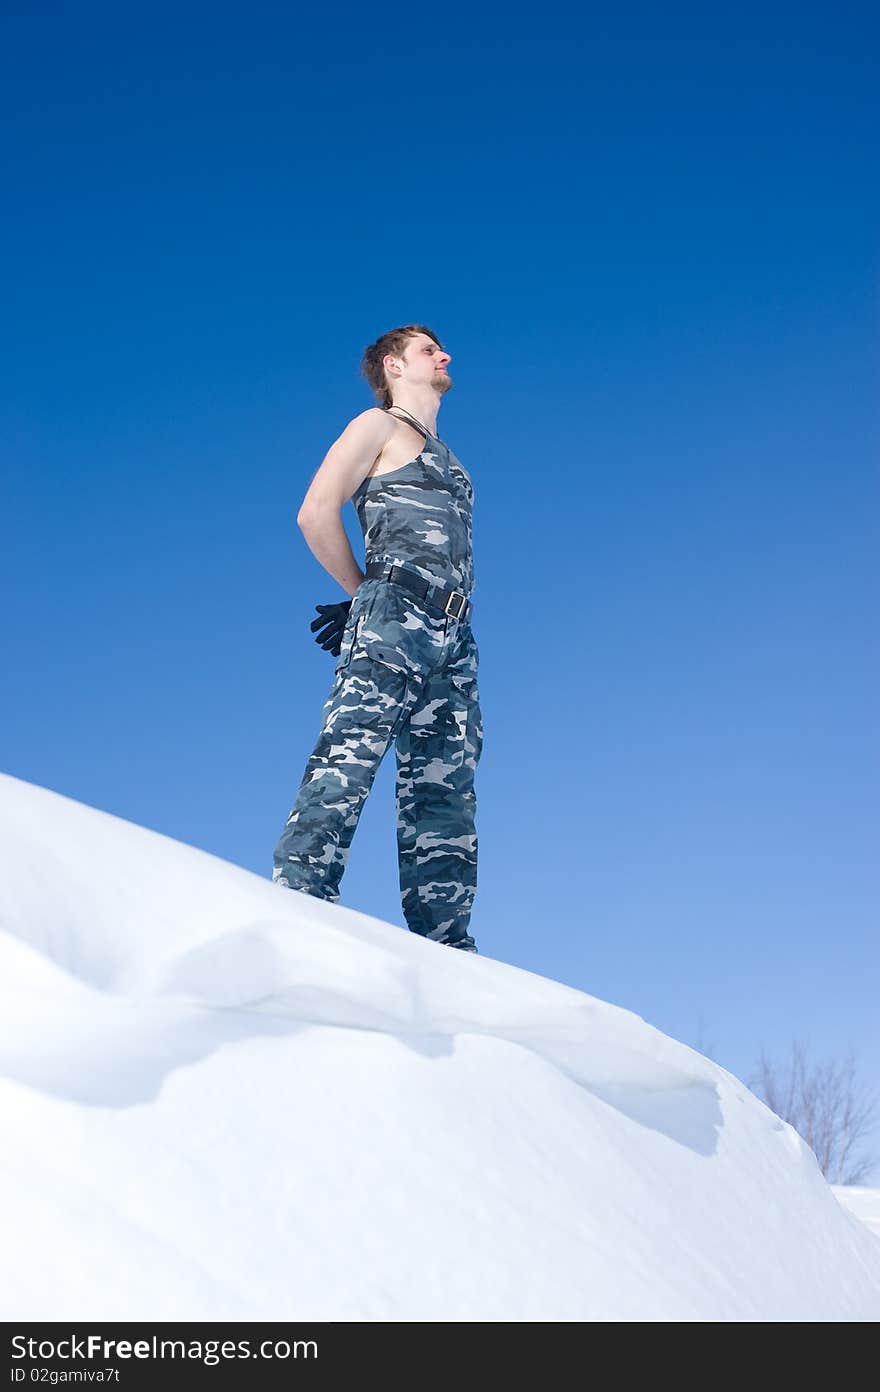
x,y
452,602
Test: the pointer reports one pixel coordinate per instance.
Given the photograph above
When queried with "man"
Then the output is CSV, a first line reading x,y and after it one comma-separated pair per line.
x,y
406,669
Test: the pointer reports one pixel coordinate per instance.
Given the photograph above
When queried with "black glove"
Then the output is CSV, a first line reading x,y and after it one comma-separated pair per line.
x,y
331,620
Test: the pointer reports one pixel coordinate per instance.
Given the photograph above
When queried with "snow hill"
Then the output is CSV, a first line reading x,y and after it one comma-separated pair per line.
x,y
224,1100
864,1202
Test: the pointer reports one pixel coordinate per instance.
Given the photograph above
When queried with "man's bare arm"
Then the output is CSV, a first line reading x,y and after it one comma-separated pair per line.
x,y
345,465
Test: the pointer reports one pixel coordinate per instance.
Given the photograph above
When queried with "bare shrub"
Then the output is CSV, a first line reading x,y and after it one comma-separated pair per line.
x,y
827,1106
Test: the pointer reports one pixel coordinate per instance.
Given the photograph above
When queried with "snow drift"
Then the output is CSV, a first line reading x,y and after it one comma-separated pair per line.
x,y
862,1201
225,1100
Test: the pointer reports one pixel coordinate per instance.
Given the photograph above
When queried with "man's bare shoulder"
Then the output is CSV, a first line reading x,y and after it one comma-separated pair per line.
x,y
349,460
369,425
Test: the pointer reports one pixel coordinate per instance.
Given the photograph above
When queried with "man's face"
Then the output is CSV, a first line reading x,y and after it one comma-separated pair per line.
x,y
426,363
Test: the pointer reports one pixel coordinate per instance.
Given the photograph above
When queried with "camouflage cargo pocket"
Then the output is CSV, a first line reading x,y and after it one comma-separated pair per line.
x,y
397,633
357,614
465,742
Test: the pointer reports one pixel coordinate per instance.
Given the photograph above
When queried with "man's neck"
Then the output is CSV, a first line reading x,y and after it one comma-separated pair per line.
x,y
424,405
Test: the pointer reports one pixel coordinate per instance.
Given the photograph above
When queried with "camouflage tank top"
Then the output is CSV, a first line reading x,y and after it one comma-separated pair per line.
x,y
421,515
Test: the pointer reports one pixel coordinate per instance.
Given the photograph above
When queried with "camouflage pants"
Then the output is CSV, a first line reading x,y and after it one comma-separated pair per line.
x,y
406,674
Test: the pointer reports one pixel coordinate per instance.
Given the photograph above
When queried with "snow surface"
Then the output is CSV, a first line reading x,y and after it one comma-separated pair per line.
x,y
864,1203
225,1100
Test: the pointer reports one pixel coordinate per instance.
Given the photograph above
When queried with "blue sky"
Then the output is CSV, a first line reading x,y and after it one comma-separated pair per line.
x,y
650,244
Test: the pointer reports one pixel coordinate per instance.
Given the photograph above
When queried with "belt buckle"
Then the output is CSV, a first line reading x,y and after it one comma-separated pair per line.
x,y
455,595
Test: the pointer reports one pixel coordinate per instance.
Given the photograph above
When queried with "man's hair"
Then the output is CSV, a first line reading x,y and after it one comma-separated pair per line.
x,y
394,341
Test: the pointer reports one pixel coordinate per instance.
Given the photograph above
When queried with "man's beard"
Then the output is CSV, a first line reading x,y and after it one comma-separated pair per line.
x,y
442,382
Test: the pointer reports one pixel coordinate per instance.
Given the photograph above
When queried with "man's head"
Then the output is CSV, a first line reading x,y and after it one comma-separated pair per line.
x,y
411,355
